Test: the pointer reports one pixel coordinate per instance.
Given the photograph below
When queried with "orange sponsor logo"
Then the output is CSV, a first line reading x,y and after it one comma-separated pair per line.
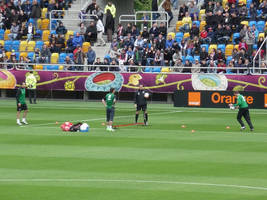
x,y
265,100
194,98
216,98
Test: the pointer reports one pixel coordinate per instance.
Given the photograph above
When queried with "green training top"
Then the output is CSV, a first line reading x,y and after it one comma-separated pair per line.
x,y
21,96
110,100
241,102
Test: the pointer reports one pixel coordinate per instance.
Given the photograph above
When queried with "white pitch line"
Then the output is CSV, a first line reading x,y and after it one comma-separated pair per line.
x,y
89,120
136,181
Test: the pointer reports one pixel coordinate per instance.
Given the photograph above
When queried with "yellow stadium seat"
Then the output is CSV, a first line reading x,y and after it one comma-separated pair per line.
x,y
23,45
31,46
202,25
172,34
44,11
178,25
244,23
229,50
38,67
236,46
39,23
201,14
242,2
54,58
45,24
212,46
224,2
6,34
261,35
61,67
46,34
85,47
2,42
67,35
165,69
8,54
186,35
23,54
47,43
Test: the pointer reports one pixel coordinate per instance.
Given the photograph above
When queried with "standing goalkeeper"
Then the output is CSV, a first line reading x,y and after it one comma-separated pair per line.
x,y
141,104
243,111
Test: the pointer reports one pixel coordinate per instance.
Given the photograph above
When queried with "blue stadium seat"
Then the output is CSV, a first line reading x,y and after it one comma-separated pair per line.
x,y
156,69
39,45
260,26
229,58
53,25
248,3
31,56
197,58
53,32
15,45
197,23
108,57
255,46
251,23
38,34
8,45
206,46
31,20
148,69
2,34
235,35
190,58
222,47
179,36
62,57
70,55
17,55
51,67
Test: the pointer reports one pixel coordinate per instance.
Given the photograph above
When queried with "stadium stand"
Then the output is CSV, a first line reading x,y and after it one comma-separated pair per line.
x,y
185,44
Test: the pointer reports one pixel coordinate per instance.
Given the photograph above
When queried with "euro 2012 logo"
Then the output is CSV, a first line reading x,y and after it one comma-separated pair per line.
x,y
69,86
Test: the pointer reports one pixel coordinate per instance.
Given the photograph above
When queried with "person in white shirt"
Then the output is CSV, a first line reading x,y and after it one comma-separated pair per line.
x,y
30,32
100,30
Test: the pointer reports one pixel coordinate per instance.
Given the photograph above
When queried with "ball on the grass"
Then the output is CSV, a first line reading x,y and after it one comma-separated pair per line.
x,y
227,127
146,95
183,126
84,127
193,131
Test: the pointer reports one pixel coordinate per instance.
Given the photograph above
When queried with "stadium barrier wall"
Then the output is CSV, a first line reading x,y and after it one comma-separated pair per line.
x,y
217,99
129,82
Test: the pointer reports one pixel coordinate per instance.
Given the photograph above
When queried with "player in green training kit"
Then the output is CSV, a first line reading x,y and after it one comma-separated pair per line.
x,y
109,102
21,104
243,111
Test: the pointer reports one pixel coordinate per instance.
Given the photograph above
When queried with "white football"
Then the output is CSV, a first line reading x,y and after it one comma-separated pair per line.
x,y
232,107
84,127
146,95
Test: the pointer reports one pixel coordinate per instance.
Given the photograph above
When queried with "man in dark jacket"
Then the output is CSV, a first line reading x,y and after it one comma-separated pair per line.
x,y
36,10
141,103
61,30
91,33
155,8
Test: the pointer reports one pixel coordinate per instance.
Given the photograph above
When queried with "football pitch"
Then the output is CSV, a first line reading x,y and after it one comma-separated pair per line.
x,y
161,161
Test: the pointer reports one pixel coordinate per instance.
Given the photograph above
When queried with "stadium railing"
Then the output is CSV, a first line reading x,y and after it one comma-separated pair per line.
x,y
138,15
130,69
73,16
258,54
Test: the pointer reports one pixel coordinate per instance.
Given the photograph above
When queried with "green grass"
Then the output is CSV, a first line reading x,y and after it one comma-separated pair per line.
x,y
160,161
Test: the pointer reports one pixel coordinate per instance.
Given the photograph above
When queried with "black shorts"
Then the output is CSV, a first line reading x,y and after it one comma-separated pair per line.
x,y
141,107
22,107
110,114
